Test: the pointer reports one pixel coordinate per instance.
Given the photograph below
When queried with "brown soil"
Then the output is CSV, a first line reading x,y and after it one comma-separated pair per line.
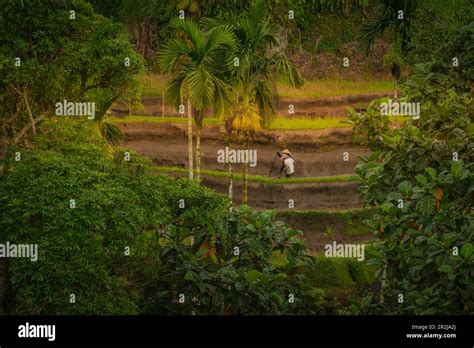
x,y
319,138
166,145
303,107
305,196
341,195
328,65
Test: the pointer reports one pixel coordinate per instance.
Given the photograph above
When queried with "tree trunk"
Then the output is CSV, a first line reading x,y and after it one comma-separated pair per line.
x,y
244,176
198,118
190,140
25,129
384,282
24,94
163,107
30,113
198,151
129,106
396,97
231,182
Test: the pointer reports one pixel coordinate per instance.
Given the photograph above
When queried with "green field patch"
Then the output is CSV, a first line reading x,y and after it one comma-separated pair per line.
x,y
339,273
159,119
153,85
284,123
329,88
260,178
352,220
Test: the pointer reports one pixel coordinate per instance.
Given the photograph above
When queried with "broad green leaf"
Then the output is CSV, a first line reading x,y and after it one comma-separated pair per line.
x,y
421,180
431,172
467,250
456,168
445,269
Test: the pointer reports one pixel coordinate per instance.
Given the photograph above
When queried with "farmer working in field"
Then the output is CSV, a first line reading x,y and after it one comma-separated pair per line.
x,y
287,163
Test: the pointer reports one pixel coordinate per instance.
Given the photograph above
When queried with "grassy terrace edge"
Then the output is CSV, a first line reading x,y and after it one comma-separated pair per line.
x,y
352,219
315,213
260,178
279,123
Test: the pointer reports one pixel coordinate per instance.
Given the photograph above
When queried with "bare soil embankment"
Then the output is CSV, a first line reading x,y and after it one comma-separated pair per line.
x,y
312,107
166,145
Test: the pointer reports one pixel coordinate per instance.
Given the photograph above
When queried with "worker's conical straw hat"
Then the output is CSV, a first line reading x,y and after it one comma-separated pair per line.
x,y
285,151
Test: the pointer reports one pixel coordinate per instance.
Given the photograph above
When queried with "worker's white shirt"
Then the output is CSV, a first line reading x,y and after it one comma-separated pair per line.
x,y
289,167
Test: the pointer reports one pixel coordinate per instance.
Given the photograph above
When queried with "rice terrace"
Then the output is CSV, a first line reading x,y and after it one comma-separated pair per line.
x,y
221,157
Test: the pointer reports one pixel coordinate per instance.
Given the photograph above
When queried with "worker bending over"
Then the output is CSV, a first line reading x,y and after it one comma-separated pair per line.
x,y
287,163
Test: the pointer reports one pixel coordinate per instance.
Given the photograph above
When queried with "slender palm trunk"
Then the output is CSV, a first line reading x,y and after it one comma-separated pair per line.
x,y
231,173
229,144
198,152
244,176
231,182
384,283
190,140
163,106
396,97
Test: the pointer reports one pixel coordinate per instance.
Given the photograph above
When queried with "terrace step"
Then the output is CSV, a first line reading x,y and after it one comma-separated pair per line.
x,y
327,106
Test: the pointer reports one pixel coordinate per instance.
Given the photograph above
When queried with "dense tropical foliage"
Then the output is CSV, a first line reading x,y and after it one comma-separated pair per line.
x,y
115,238
135,242
421,176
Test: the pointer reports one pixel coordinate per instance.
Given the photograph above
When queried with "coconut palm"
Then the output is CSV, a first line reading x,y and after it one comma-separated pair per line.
x,y
195,62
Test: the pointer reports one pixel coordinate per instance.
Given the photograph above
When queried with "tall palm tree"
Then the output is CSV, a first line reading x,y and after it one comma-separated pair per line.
x,y
194,60
259,56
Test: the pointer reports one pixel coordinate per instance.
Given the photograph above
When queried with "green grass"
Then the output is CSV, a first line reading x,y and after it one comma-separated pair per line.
x,y
314,214
259,178
280,123
328,88
153,86
353,219
159,119
283,123
332,273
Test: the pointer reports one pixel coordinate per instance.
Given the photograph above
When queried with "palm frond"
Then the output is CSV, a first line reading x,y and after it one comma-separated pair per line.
x,y
371,29
171,54
110,132
191,31
218,38
223,98
200,88
287,71
387,16
263,97
176,88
